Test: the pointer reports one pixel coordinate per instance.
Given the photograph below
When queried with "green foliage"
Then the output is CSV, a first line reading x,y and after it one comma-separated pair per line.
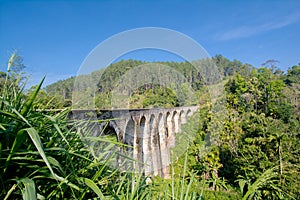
x,y
261,92
106,80
252,153
154,96
259,137
256,149
230,68
293,75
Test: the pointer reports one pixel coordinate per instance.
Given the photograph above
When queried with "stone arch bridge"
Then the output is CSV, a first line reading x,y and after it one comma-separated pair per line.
x,y
150,133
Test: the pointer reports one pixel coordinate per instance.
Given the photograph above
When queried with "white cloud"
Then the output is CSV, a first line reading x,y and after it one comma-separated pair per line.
x,y
247,31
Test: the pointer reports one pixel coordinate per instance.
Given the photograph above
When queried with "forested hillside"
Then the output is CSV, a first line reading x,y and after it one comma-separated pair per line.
x,y
254,154
106,80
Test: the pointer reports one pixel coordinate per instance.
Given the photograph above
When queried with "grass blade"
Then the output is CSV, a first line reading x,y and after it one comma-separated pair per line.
x,y
57,128
17,143
91,184
10,191
189,187
20,136
37,143
28,192
28,103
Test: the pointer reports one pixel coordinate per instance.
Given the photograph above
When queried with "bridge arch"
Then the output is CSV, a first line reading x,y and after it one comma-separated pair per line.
x,y
164,150
170,128
176,121
110,131
114,128
161,125
140,143
129,140
147,155
183,116
160,134
188,113
155,145
129,132
181,119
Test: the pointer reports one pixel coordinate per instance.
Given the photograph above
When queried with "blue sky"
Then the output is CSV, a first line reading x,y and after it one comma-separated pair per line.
x,y
54,37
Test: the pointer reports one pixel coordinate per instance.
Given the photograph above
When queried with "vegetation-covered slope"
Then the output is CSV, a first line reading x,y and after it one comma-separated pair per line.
x,y
255,155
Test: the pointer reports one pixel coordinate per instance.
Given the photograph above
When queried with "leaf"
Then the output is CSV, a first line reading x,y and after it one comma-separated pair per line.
x,y
11,60
20,136
17,143
65,181
37,143
57,128
28,103
9,115
249,140
189,186
105,139
40,197
28,192
55,163
242,184
91,184
264,179
2,127
20,116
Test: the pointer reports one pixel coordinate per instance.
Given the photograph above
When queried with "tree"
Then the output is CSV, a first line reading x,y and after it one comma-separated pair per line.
x,y
271,64
293,75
